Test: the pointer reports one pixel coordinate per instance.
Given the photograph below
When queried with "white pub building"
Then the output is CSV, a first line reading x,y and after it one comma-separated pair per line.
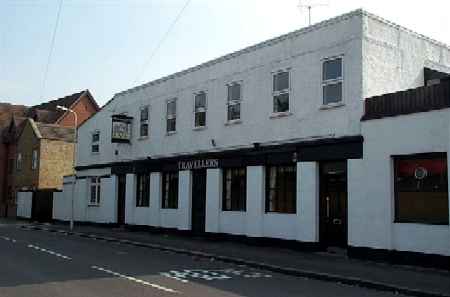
x,y
333,135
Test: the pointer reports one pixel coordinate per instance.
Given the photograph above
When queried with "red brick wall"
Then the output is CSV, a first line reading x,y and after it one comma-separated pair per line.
x,y
84,109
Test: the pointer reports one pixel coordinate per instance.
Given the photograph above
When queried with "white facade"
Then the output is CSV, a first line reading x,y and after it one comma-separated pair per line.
x,y
24,203
378,57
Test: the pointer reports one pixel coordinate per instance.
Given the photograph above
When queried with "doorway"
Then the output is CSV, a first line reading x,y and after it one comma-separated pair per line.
x,y
42,206
198,201
333,204
121,190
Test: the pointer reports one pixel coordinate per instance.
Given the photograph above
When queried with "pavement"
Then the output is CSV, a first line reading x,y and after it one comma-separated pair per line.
x,y
194,266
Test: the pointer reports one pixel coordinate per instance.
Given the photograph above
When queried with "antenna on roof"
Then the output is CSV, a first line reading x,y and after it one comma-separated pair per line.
x,y
302,5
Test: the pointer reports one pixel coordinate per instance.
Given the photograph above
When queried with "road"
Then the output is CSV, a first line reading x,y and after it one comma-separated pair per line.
x,y
37,263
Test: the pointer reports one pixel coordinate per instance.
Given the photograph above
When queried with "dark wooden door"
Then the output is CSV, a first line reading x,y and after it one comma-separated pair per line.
x,y
333,204
121,190
42,206
198,201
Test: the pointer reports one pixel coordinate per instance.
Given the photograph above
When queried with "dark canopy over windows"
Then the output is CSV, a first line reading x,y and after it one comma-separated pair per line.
x,y
421,188
281,189
143,190
170,190
234,189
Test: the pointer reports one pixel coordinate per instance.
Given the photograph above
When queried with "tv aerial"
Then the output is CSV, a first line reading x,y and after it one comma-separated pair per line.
x,y
309,6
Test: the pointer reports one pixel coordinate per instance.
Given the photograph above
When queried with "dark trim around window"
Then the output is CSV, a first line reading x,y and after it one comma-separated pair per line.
x,y
281,192
234,186
170,190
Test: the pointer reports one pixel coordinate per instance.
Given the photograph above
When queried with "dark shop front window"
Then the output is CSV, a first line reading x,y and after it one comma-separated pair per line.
x,y
281,189
234,189
421,189
143,190
170,190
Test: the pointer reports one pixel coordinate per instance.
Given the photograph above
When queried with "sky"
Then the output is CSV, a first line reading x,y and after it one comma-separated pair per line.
x,y
106,46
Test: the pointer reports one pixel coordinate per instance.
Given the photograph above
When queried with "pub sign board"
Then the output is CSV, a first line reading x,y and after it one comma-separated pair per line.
x,y
121,129
198,164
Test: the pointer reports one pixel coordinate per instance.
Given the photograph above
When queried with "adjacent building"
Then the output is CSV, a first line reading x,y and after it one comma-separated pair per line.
x,y
277,141
33,141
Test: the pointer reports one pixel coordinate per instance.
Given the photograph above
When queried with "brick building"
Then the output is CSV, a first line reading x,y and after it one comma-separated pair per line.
x,y
44,117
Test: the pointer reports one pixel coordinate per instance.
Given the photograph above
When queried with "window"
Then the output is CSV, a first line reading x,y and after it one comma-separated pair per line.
x,y
234,189
200,109
95,190
421,188
34,159
171,115
19,162
332,81
281,189
281,91
95,143
144,119
170,190
143,190
234,102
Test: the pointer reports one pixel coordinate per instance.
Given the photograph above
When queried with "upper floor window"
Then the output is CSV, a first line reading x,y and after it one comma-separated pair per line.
x,y
143,190
281,91
234,102
234,189
144,120
19,162
171,115
281,189
421,188
332,80
200,109
170,190
34,160
95,188
95,142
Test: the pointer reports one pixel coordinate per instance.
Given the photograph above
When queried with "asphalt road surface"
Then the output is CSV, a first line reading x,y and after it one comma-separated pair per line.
x,y
38,264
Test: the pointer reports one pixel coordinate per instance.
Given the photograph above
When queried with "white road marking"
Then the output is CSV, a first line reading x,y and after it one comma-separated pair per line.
x,y
8,239
210,275
136,280
49,252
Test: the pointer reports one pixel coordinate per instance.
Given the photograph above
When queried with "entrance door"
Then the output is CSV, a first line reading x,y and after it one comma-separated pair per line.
x,y
333,203
122,182
42,206
198,201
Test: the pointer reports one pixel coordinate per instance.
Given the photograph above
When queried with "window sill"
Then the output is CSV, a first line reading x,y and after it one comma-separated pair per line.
x,y
421,223
233,122
95,153
171,133
199,128
143,138
93,205
234,210
281,212
172,208
332,105
283,114
142,206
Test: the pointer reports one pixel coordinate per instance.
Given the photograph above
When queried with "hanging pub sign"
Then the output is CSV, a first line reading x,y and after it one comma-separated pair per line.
x,y
121,128
198,164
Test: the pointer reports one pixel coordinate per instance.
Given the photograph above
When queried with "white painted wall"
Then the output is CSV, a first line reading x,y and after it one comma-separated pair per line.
x,y
24,204
371,197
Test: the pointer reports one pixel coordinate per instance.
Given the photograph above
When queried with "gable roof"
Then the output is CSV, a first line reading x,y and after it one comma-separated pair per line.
x,y
55,132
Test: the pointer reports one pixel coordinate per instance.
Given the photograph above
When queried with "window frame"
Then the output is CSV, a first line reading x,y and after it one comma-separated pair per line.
x,y
95,181
167,195
34,159
203,109
241,202
144,121
433,155
95,143
143,195
268,189
334,81
171,116
276,93
233,102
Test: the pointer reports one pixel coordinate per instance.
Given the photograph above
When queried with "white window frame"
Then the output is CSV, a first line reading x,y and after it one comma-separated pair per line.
x,y
95,142
201,109
332,82
230,103
19,162
143,122
34,159
284,91
172,116
94,181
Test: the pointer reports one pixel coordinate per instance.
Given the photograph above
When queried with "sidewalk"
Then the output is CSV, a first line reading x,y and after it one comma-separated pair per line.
x,y
408,280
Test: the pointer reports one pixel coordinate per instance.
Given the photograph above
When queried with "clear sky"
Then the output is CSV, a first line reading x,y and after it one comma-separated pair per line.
x,y
103,45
